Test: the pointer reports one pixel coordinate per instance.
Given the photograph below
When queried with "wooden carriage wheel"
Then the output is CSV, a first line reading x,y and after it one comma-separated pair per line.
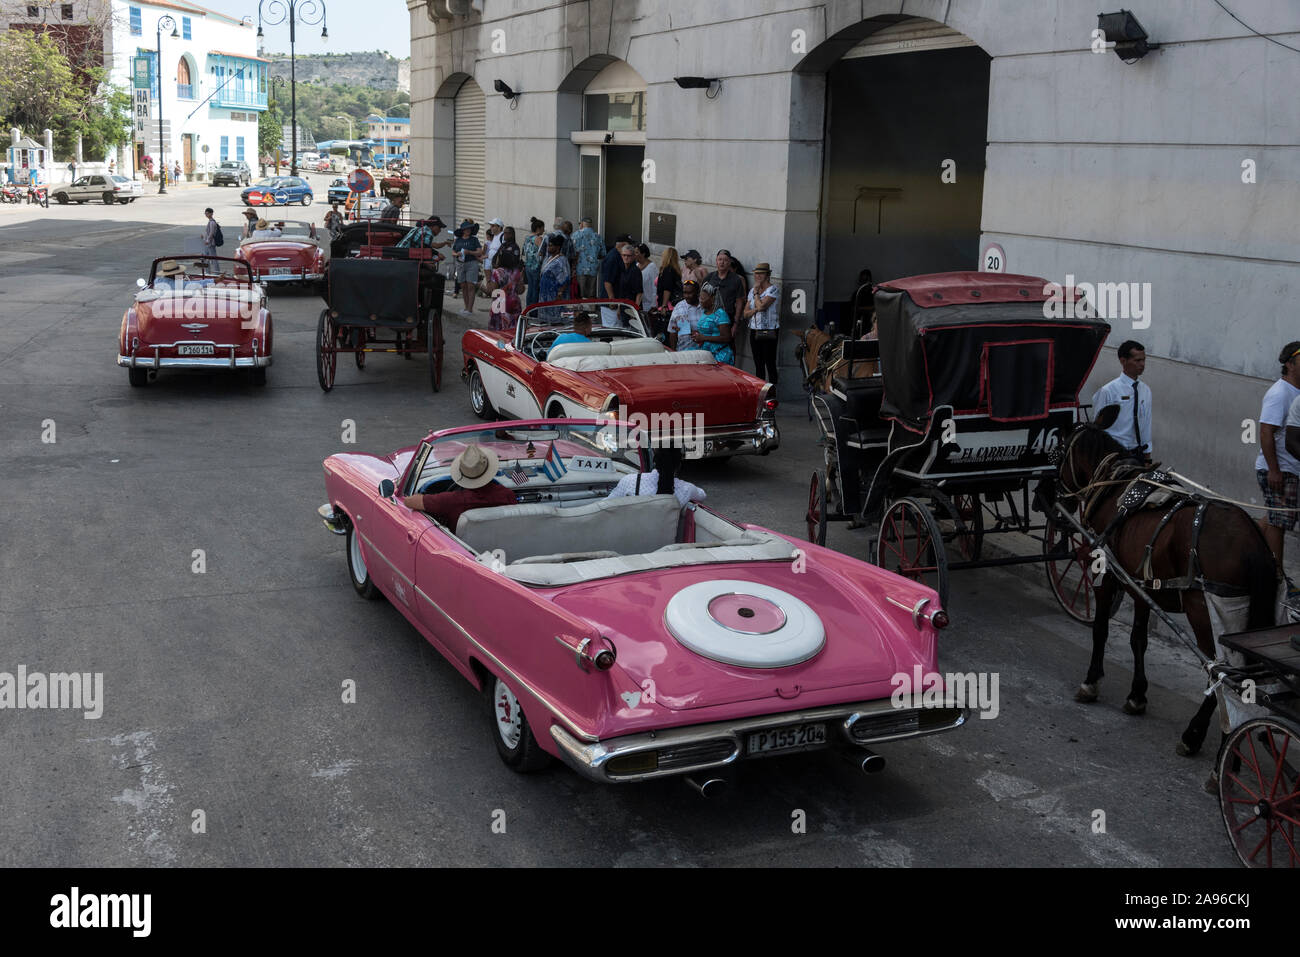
x,y
1070,577
816,515
1259,792
359,356
911,545
326,350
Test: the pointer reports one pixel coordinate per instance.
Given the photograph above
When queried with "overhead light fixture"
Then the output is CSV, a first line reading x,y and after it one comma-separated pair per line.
x,y
504,89
1123,30
712,84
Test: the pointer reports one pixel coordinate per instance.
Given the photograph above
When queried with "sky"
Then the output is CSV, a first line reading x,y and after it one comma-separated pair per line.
x,y
354,25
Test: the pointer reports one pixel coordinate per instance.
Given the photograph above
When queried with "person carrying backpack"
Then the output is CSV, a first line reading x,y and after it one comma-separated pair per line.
x,y
212,235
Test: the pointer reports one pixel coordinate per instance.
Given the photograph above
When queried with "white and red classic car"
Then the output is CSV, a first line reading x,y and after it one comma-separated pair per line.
x,y
295,255
632,637
622,371
196,313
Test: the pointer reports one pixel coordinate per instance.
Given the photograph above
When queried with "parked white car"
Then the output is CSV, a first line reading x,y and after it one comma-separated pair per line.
x,y
109,189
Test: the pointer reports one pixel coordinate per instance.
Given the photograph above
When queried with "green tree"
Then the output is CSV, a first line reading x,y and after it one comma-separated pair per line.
x,y
36,85
270,130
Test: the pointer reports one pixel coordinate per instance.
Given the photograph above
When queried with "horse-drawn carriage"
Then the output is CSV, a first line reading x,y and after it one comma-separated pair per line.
x,y
939,431
381,297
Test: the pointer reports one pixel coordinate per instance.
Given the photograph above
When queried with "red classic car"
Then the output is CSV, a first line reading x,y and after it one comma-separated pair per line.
x,y
635,637
196,313
288,251
622,371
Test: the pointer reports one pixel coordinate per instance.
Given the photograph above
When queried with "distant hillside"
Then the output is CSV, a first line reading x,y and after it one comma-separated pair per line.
x,y
376,70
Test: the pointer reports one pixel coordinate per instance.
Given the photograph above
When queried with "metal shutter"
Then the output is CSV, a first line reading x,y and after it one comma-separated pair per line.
x,y
471,152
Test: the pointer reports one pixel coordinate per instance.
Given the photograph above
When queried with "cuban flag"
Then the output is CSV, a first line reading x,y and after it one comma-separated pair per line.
x,y
553,465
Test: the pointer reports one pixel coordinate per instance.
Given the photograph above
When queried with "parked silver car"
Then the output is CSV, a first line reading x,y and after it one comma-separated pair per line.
x,y
232,173
109,189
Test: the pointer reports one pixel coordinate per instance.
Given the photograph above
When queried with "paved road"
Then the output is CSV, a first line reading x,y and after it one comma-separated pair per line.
x,y
222,690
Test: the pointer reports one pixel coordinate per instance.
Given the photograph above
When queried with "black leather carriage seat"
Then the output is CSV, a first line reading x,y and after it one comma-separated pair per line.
x,y
861,423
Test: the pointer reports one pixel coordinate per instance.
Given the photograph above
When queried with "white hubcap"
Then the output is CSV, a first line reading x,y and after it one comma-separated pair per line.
x,y
358,563
510,720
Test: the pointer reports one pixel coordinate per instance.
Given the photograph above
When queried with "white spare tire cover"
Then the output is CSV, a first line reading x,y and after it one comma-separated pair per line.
x,y
744,623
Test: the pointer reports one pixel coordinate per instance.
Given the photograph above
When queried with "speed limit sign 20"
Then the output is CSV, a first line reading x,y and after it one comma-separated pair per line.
x,y
993,259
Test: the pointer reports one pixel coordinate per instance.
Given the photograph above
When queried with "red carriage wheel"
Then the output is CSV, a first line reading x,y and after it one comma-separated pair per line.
x,y
1259,792
911,545
360,354
433,340
1070,574
816,516
967,510
326,350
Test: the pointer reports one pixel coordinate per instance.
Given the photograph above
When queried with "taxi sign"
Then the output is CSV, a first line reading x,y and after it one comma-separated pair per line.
x,y
360,181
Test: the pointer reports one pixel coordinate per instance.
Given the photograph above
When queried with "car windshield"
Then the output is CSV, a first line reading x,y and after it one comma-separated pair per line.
x,y
611,317
566,460
294,229
272,183
230,166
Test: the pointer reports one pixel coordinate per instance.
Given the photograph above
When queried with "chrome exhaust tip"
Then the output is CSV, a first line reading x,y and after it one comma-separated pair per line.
x,y
867,761
708,787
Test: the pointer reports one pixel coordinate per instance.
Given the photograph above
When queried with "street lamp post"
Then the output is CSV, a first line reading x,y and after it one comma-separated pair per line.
x,y
309,11
162,147
349,119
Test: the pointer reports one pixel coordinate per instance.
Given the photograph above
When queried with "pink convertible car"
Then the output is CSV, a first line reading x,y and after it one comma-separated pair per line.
x,y
630,637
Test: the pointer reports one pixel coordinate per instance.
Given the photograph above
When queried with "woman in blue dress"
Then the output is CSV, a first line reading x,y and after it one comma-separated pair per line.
x,y
714,331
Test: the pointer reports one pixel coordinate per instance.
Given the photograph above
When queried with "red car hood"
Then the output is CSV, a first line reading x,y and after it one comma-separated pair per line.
x,y
723,392
863,647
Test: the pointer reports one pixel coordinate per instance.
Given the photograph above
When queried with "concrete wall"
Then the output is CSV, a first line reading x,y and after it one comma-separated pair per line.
x,y
1106,171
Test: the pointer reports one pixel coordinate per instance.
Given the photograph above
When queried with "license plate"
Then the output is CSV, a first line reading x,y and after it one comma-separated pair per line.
x,y
790,738
280,271
196,350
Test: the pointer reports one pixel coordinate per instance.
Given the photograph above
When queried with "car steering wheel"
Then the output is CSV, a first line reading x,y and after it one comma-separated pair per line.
x,y
541,345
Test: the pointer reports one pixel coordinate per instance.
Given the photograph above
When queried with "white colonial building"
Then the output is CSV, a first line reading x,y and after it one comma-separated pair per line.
x,y
211,87
907,136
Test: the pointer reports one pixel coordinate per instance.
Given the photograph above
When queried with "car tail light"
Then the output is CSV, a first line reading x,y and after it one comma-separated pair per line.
x,y
770,405
939,619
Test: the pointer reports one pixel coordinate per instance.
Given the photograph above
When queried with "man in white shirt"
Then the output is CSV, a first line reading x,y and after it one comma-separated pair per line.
x,y
496,230
1276,469
686,318
1132,429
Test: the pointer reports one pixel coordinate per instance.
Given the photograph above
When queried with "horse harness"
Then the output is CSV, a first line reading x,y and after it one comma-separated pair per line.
x,y
1139,492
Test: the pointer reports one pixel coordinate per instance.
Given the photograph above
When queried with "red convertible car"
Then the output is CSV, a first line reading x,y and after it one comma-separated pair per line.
x,y
633,637
196,313
294,256
622,372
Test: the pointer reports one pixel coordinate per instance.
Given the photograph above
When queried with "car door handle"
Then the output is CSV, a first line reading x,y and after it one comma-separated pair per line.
x,y
411,537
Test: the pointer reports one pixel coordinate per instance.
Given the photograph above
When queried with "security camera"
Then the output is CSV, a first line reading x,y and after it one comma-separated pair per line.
x,y
504,89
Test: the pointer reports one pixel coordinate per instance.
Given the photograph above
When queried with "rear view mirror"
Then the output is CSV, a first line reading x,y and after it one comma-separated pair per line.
x,y
387,488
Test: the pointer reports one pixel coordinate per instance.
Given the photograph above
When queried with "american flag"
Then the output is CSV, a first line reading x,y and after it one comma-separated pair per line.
x,y
553,465
518,476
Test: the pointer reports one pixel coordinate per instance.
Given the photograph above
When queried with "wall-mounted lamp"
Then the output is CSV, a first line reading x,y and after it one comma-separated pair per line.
x,y
1123,30
712,84
502,87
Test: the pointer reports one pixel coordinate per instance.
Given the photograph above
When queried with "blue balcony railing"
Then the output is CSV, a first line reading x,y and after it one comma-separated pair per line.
x,y
233,95
185,91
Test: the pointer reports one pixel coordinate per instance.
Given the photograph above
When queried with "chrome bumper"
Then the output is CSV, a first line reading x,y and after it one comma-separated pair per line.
x,y
297,277
757,439
194,362
718,744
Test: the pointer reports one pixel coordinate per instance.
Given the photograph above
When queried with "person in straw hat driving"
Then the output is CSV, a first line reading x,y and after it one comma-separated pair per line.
x,y
169,275
474,472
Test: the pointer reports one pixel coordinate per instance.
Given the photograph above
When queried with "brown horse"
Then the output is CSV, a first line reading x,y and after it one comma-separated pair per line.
x,y
1230,558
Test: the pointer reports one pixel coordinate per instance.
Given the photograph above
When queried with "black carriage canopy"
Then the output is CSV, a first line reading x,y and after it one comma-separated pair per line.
x,y
990,344
374,291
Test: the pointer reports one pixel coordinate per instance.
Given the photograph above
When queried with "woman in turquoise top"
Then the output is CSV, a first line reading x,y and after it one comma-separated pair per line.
x,y
714,330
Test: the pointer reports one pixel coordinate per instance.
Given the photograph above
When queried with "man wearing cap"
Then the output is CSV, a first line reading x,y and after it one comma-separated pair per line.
x,y
1276,470
474,472
589,246
763,314
495,230
692,266
250,222
1132,429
